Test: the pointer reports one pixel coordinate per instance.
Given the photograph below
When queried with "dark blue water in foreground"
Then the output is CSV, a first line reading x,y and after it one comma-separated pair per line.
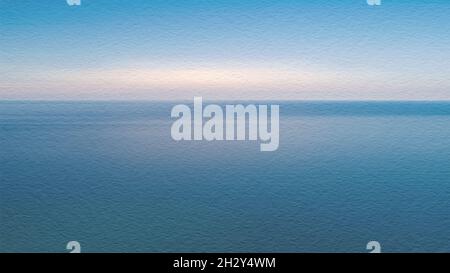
x,y
108,175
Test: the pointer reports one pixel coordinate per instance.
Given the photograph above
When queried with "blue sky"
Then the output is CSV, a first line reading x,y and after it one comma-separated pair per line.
x,y
225,49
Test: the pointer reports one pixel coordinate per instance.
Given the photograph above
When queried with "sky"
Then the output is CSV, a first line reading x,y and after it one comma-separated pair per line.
x,y
225,49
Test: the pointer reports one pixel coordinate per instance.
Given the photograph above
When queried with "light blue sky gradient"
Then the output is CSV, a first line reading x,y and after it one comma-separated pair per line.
x,y
225,49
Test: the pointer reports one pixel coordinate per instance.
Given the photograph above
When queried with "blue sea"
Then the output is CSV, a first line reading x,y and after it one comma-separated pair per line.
x,y
109,175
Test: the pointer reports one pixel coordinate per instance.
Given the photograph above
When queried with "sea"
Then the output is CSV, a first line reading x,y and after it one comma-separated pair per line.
x,y
108,175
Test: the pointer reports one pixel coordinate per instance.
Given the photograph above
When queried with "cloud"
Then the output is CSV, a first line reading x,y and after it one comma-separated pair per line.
x,y
221,81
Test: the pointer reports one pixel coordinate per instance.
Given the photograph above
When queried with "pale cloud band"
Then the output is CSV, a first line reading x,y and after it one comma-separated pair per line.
x,y
262,81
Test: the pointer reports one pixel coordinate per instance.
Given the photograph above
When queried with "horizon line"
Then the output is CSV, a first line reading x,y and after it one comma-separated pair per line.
x,y
222,100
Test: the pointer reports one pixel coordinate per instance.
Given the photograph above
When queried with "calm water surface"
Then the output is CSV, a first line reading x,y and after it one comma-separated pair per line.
x,y
108,175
